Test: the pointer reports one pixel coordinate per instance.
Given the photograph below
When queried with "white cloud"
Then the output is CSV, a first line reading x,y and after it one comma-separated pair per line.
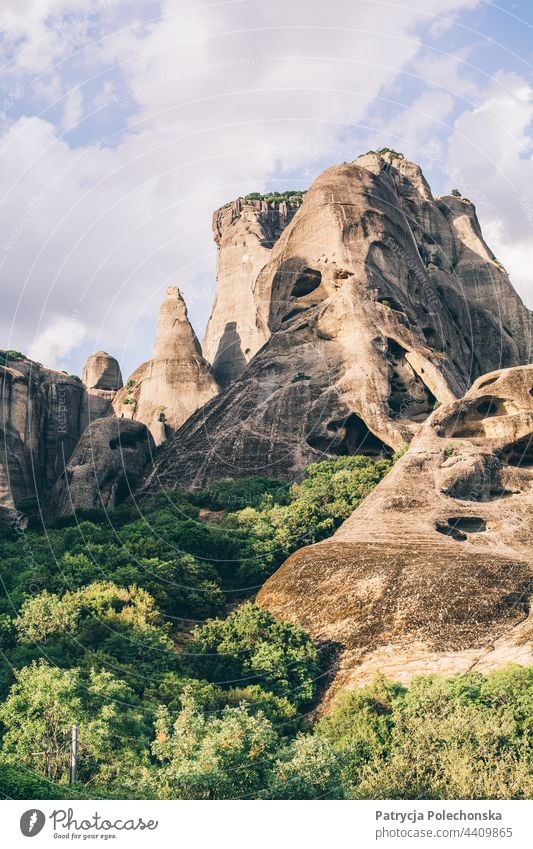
x,y
215,101
56,342
490,157
73,109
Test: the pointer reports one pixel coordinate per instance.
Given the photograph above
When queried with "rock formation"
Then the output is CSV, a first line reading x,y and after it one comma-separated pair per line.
x,y
382,302
102,378
245,232
434,571
104,468
42,414
101,371
163,392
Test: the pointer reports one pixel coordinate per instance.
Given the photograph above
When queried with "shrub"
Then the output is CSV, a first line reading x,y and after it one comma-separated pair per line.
x,y
252,647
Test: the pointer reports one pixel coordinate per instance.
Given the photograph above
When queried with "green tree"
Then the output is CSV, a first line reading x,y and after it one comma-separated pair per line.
x,y
102,625
307,769
45,702
223,757
252,646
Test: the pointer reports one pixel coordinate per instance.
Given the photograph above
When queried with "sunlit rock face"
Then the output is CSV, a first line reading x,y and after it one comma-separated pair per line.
x,y
434,570
381,302
245,232
166,390
103,379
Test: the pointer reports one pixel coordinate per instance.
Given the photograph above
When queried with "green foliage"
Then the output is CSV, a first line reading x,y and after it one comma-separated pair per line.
x,y
235,494
19,783
383,150
222,712
43,704
13,356
466,737
277,197
456,193
328,494
300,376
100,623
307,769
222,757
251,646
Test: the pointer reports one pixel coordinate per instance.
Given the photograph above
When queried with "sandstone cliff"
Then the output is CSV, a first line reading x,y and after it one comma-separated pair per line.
x,y
380,306
105,466
245,232
434,571
42,414
166,390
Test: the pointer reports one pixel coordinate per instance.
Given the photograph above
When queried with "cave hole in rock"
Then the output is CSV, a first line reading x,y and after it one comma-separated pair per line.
x,y
349,436
306,282
519,454
489,381
473,490
500,492
468,524
125,487
409,396
458,527
469,423
291,314
429,333
125,440
487,408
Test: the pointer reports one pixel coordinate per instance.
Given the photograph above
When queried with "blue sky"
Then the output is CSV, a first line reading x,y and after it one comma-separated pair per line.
x,y
125,124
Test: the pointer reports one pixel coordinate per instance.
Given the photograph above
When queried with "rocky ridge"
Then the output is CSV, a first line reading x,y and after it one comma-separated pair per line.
x,y
382,303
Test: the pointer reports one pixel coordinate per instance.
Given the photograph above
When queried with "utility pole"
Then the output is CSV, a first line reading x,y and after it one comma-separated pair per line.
x,y
74,755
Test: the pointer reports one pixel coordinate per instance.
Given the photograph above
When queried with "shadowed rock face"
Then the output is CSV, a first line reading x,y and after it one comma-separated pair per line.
x,y
166,390
105,466
434,571
371,323
245,232
42,414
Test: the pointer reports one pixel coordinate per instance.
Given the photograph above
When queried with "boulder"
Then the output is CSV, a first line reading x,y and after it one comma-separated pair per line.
x,y
104,468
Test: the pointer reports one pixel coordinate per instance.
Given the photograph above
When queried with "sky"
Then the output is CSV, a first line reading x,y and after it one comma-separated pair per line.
x,y
125,123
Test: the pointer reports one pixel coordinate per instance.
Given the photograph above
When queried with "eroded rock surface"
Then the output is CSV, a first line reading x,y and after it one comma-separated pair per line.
x,y
103,379
166,390
382,303
245,232
42,414
434,571
104,468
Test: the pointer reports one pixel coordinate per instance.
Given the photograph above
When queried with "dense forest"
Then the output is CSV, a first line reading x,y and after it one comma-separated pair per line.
x,y
139,626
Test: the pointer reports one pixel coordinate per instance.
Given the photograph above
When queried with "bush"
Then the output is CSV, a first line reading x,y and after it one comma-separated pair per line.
x,y
18,783
252,647
466,737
